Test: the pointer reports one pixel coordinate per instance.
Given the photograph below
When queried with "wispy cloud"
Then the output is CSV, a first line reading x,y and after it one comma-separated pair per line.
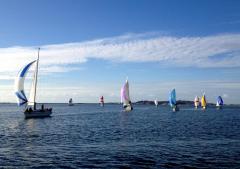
x,y
208,51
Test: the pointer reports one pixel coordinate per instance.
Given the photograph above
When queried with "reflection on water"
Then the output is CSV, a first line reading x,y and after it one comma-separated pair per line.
x,y
89,136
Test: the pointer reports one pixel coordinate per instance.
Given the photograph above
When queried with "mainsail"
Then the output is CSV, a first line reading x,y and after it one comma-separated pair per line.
x,y
172,98
125,98
19,84
32,98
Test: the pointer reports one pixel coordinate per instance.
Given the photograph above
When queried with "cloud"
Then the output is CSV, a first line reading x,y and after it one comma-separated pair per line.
x,y
207,51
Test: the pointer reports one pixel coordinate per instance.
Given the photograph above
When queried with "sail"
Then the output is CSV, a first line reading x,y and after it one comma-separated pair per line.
x,y
156,102
219,101
172,98
196,101
32,96
19,85
203,101
125,99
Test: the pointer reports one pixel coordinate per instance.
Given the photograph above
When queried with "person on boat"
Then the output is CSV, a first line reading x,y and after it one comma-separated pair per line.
x,y
131,105
42,106
30,109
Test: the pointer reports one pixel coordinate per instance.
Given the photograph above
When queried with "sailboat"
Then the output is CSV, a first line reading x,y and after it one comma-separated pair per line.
x,y
102,101
125,98
204,101
31,105
173,101
70,102
196,102
219,102
156,102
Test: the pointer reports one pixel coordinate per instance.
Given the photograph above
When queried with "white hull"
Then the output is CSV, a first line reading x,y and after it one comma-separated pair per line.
x,y
175,108
128,108
196,104
38,113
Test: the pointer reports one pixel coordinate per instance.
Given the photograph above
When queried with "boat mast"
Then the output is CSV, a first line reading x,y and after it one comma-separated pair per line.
x,y
35,84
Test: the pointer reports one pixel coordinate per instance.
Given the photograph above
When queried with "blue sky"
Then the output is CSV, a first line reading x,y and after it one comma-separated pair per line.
x,y
90,47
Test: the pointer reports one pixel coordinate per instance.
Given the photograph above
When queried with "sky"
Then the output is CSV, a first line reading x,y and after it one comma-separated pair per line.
x,y
90,47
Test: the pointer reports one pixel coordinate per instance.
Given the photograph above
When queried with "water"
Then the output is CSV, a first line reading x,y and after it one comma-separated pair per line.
x,y
89,136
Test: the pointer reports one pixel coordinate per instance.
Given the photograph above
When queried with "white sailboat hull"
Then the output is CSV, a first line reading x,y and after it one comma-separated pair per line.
x,y
196,104
175,108
127,107
38,113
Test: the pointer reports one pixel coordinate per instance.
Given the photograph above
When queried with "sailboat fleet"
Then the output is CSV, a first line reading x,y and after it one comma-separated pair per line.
x,y
31,110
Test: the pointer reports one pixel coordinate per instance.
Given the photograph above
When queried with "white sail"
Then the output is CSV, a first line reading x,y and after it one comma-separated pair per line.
x,y
156,102
196,101
125,98
32,97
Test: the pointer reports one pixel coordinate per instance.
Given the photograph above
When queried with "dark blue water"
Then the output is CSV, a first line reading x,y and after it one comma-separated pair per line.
x,y
89,136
